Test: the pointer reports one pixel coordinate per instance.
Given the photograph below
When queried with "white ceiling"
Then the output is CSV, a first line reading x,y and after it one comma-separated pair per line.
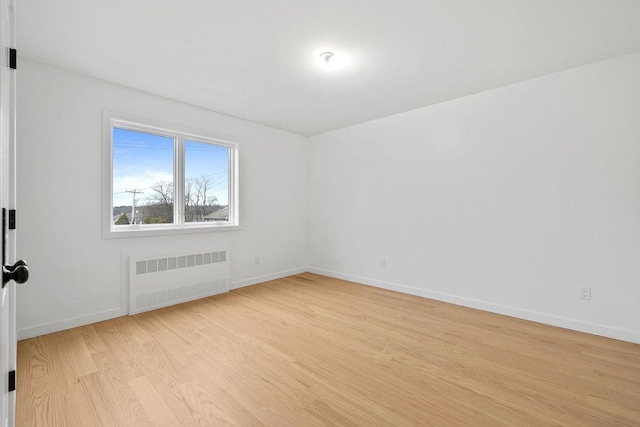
x,y
255,59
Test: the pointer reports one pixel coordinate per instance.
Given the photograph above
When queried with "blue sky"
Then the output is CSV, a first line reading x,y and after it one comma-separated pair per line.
x,y
141,160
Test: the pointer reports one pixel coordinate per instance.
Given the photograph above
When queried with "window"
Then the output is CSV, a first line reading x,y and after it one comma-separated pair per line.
x,y
167,181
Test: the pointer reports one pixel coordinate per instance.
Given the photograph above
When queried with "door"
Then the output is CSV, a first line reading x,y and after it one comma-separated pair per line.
x,y
18,271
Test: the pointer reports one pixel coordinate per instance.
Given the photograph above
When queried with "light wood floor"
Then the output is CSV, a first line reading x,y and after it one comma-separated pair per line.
x,y
309,350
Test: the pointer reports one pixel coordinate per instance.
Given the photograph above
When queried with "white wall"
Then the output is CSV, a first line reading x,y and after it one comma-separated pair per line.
x,y
75,273
507,200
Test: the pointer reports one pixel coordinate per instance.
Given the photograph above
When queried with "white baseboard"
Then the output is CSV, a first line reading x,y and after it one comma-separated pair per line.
x,y
562,322
268,277
548,319
48,328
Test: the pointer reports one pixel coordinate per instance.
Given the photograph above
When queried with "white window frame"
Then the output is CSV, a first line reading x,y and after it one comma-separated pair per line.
x,y
123,121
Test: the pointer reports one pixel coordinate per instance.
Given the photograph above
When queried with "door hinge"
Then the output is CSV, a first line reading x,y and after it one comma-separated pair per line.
x,y
12,219
12,380
13,59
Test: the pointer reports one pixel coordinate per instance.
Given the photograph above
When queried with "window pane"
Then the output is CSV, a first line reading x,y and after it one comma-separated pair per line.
x,y
142,178
206,182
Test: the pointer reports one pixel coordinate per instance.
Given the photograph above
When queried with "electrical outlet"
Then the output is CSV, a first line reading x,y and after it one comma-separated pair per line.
x,y
585,293
256,261
383,263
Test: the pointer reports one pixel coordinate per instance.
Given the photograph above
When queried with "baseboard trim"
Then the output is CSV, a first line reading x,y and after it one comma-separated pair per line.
x,y
260,279
48,328
548,319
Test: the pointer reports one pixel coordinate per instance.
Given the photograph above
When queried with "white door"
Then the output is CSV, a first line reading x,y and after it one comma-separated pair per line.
x,y
16,271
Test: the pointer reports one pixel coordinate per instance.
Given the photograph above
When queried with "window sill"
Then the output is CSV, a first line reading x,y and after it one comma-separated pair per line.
x,y
165,230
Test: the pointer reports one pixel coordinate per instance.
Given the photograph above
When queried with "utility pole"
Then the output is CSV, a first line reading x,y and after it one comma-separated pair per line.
x,y
133,204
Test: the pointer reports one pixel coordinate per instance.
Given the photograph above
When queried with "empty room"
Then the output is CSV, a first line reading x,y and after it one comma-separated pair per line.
x,y
340,213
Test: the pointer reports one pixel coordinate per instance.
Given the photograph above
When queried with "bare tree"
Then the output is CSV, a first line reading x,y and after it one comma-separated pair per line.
x,y
189,200
160,202
199,201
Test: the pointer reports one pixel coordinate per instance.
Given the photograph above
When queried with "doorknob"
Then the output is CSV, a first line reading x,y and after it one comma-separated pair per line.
x,y
18,272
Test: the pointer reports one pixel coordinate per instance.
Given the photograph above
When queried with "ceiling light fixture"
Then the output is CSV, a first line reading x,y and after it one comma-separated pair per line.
x,y
329,61
327,57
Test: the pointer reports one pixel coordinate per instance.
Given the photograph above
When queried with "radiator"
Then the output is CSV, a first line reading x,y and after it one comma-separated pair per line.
x,y
161,280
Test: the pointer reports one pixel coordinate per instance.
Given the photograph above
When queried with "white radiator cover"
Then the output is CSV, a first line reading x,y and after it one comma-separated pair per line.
x,y
161,280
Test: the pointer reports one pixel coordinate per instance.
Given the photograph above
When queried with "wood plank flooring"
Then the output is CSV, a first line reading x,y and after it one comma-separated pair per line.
x,y
309,351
